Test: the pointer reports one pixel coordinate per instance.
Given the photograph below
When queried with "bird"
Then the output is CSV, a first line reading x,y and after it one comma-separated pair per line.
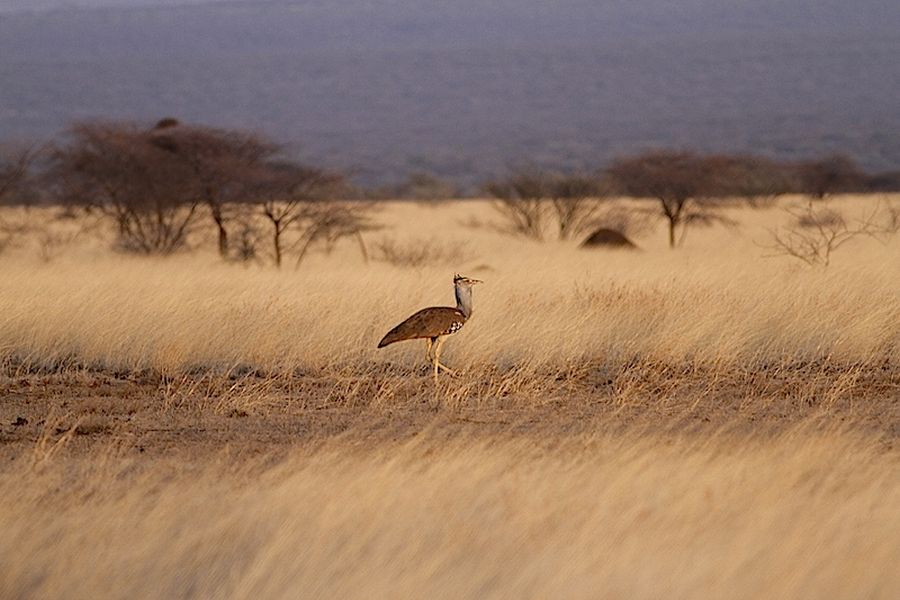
x,y
435,323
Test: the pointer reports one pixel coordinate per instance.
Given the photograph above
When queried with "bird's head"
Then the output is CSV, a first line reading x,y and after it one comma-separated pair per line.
x,y
461,281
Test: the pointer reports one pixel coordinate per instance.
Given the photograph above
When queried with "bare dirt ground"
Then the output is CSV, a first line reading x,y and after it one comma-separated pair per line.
x,y
250,415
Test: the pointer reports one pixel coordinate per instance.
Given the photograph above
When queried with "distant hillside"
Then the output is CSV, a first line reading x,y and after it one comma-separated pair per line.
x,y
42,5
463,89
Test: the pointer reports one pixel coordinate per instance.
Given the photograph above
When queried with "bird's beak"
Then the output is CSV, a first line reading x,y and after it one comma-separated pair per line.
x,y
475,281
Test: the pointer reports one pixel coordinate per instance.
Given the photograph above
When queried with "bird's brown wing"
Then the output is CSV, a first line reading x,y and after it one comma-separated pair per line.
x,y
427,323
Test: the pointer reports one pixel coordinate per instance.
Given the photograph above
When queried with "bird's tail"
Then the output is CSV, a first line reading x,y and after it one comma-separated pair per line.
x,y
394,335
386,340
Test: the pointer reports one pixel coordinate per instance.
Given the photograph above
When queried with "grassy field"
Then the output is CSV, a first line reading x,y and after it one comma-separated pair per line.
x,y
710,421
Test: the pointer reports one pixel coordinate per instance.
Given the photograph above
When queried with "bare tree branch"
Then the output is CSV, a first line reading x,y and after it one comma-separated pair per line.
x,y
816,232
529,198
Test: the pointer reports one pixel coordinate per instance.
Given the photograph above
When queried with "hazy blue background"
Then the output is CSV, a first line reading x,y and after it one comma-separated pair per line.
x,y
464,88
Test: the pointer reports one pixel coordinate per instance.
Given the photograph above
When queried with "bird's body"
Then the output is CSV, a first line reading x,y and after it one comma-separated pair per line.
x,y
431,322
435,323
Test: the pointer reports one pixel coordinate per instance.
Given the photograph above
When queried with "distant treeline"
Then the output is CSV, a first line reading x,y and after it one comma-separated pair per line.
x,y
157,183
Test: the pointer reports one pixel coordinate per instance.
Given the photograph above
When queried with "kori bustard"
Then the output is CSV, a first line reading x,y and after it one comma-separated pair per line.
x,y
435,323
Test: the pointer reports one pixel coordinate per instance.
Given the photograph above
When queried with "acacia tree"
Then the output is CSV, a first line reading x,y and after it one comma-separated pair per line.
x,y
885,181
830,175
15,169
419,186
521,201
756,179
296,197
683,184
527,198
149,193
575,202
224,164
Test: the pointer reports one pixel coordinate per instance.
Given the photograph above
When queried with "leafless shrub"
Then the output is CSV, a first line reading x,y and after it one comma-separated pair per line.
x,y
521,203
53,243
331,221
301,206
529,198
816,232
163,230
575,202
10,233
419,186
892,218
418,253
820,217
281,215
290,197
50,232
15,169
245,248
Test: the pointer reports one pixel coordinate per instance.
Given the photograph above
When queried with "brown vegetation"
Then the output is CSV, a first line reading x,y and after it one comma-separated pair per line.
x,y
419,252
118,169
226,166
155,184
15,165
529,198
817,231
684,185
648,424
830,175
287,197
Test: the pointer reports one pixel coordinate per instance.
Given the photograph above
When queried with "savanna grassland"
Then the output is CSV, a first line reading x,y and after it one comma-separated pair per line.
x,y
709,421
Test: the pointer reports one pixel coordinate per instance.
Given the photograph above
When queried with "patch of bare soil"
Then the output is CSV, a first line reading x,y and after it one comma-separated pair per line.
x,y
250,415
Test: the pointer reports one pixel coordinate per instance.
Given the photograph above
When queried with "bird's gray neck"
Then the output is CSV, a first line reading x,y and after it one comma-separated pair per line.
x,y
464,300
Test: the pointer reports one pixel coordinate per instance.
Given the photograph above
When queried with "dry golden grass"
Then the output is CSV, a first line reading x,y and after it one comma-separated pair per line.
x,y
803,515
706,422
717,301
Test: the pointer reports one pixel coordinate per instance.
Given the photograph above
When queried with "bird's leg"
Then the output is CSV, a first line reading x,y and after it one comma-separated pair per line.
x,y
437,358
429,342
434,364
447,370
